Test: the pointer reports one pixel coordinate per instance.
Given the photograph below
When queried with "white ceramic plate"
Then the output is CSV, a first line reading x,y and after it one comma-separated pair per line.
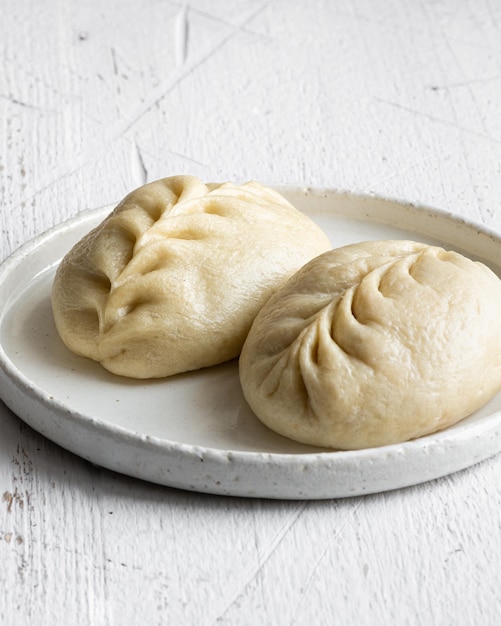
x,y
195,431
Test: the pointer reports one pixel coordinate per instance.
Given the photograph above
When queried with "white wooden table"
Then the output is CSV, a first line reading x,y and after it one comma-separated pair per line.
x,y
399,98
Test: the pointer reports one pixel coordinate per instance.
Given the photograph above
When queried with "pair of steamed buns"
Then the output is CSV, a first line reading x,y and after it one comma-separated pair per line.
x,y
366,345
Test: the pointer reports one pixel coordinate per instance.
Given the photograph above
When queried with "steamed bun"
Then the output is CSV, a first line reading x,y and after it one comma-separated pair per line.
x,y
375,343
172,279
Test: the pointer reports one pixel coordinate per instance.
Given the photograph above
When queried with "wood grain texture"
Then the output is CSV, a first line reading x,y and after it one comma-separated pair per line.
x,y
403,99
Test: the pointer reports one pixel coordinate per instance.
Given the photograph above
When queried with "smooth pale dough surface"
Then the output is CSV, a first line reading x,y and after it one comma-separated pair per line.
x,y
172,279
375,343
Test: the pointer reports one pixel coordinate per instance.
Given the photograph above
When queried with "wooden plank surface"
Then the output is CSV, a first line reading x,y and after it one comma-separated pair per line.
x,y
399,98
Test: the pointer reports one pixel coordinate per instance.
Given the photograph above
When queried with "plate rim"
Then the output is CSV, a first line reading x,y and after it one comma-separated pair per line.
x,y
17,379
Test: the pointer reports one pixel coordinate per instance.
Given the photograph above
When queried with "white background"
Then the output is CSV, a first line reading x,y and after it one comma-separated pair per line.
x,y
399,98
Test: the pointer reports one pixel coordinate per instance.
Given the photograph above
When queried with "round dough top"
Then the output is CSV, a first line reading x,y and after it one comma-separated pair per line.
x,y
172,279
375,343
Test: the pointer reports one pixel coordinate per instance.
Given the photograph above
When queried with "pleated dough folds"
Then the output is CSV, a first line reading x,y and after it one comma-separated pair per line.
x,y
172,279
375,343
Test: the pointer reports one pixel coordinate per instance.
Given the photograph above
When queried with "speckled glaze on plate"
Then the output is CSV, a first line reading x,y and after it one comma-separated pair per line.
x,y
195,431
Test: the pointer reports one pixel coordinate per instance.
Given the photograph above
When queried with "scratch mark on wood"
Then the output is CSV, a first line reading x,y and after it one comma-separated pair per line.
x,y
20,103
114,61
187,158
181,35
466,83
262,559
322,556
438,120
220,20
138,168
117,79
